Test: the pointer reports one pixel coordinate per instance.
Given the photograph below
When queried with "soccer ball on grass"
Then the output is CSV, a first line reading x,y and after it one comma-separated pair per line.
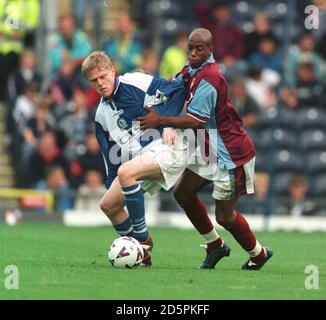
x,y
125,252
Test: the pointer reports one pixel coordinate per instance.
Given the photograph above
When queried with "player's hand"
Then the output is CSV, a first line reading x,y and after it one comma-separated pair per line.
x,y
151,121
169,136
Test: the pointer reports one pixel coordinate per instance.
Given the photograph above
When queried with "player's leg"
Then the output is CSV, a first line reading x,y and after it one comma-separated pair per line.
x,y
112,204
141,167
231,185
238,226
186,196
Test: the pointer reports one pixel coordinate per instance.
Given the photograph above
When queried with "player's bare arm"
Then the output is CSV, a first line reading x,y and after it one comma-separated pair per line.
x,y
154,120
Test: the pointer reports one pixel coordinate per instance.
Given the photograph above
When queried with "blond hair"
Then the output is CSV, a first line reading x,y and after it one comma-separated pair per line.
x,y
97,59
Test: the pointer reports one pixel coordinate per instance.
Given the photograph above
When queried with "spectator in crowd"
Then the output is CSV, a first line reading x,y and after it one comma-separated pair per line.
x,y
90,193
68,43
125,49
90,160
309,92
150,62
38,124
257,203
45,156
25,73
174,57
81,7
260,86
17,81
16,18
76,125
244,104
297,204
25,106
31,16
228,39
289,98
304,52
261,184
267,56
63,84
262,29
62,90
56,181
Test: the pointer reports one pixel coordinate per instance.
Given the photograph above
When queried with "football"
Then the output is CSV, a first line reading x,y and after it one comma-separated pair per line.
x,y
125,252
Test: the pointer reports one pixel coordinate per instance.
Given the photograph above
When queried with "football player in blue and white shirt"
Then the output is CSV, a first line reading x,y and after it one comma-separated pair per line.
x,y
124,99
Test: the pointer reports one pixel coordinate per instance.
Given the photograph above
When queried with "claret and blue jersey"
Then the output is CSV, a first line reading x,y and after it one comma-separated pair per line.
x,y
115,119
207,101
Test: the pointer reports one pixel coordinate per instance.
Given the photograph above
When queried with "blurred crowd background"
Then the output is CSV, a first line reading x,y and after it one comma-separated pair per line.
x,y
273,54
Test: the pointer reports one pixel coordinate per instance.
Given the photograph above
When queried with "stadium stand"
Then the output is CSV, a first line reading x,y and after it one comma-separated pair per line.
x,y
6,168
312,139
289,137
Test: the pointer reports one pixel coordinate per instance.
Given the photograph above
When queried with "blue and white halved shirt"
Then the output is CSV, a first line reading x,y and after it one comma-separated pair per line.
x,y
115,120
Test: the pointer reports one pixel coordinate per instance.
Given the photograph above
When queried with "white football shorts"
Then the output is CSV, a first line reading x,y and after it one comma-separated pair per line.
x,y
172,160
228,184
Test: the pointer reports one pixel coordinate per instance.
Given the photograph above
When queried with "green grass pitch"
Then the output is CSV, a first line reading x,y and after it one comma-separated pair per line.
x,y
57,262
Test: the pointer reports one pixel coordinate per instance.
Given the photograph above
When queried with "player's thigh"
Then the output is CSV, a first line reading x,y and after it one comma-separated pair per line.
x,y
189,185
113,199
231,184
140,167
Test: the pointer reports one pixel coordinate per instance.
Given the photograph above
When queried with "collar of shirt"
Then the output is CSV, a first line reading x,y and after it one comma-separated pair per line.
x,y
192,71
116,87
117,83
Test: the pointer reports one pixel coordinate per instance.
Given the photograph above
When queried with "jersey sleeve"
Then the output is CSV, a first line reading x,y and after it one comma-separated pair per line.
x,y
203,102
170,96
178,79
106,145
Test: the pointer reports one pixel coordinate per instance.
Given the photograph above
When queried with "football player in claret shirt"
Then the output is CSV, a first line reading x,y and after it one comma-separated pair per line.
x,y
124,98
232,167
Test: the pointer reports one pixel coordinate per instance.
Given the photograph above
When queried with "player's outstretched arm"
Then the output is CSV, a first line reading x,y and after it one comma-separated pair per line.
x,y
153,120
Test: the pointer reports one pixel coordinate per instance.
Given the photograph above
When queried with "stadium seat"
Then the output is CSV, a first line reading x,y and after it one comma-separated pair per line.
x,y
276,11
252,132
277,117
168,9
243,11
278,138
315,162
267,118
287,160
311,118
170,27
294,31
313,139
281,182
319,185
260,163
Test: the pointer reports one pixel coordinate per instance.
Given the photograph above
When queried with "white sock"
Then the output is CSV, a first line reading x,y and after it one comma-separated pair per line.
x,y
211,236
256,250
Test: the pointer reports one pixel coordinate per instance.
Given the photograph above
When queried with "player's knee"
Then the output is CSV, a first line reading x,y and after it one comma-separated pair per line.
x,y
124,174
110,208
181,197
224,217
